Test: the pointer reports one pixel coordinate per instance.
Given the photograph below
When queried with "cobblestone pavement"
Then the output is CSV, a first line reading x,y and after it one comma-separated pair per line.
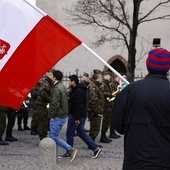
x,y
24,154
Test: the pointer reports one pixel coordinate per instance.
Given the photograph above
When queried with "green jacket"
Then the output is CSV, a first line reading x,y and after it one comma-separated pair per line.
x,y
59,101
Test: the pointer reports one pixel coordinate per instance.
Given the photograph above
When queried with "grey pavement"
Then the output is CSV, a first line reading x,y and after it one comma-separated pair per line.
x,y
24,154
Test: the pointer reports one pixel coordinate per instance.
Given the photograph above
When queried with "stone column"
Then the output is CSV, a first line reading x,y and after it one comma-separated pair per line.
x,y
47,151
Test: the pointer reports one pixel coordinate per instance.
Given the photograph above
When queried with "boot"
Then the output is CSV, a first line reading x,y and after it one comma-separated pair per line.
x,y
104,139
3,142
34,131
26,127
9,137
20,128
113,134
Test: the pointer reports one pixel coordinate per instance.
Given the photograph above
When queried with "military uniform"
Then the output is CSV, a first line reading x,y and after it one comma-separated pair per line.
x,y
34,120
107,92
109,88
2,124
95,107
40,107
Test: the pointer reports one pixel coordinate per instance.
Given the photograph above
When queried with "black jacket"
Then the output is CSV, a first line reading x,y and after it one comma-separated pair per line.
x,y
77,101
142,113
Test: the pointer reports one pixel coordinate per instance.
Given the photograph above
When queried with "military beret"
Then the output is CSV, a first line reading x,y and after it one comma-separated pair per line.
x,y
86,74
107,73
96,71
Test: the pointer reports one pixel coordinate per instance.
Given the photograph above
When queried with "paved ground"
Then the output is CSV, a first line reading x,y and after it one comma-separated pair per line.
x,y
24,154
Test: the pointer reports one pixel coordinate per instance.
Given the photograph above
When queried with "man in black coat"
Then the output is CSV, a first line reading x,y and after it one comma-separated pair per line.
x,y
77,115
141,112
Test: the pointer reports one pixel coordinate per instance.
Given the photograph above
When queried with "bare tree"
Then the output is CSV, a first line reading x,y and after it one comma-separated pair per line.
x,y
118,20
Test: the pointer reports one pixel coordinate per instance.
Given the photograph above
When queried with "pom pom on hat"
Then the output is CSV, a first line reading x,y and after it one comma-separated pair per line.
x,y
158,60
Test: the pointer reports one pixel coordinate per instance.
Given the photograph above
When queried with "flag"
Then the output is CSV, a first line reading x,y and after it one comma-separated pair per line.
x,y
31,43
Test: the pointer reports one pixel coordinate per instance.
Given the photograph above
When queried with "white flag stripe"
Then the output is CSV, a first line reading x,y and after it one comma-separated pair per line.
x,y
21,24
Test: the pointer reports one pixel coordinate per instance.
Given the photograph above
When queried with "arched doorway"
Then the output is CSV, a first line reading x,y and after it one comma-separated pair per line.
x,y
118,63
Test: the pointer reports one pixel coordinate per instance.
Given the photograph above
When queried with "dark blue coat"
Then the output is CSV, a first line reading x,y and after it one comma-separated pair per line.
x,y
77,101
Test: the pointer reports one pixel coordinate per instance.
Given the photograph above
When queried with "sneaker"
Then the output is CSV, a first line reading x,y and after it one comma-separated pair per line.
x,y
72,154
96,153
66,155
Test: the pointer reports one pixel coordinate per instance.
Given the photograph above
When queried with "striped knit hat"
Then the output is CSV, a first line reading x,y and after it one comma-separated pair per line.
x,y
158,60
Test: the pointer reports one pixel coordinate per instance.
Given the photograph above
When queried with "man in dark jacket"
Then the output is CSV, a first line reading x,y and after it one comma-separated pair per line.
x,y
141,112
77,115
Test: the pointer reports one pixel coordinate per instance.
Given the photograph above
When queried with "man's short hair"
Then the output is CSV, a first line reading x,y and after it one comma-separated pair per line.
x,y
58,74
74,78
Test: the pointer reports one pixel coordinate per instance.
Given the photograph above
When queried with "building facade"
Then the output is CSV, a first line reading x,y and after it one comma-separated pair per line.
x,y
117,57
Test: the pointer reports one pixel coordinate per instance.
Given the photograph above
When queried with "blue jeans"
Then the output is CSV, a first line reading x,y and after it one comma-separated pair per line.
x,y
71,128
55,128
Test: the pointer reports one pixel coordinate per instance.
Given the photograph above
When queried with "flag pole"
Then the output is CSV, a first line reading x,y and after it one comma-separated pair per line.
x,y
103,61
35,7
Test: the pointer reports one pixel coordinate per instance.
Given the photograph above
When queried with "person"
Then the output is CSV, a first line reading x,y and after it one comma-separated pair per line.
x,y
141,111
107,92
22,115
77,115
34,120
58,112
86,81
40,105
95,104
11,116
2,124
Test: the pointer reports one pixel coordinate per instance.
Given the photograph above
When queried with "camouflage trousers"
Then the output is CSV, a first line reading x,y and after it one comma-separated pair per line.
x,y
34,120
95,122
106,120
2,122
43,121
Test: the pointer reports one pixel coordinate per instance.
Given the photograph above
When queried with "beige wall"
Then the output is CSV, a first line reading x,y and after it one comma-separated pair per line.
x,y
85,61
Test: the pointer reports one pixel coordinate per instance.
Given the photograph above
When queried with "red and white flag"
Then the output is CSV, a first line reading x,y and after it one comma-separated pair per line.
x,y
30,44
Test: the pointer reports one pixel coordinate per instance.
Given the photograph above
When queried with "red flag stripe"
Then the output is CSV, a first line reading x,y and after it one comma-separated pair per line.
x,y
42,48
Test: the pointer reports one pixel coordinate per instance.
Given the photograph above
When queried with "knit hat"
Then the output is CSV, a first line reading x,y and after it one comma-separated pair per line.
x,y
158,60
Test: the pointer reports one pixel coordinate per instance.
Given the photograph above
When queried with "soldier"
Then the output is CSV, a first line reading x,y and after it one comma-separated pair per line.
x,y
2,124
86,79
95,104
43,99
11,115
34,120
22,115
107,92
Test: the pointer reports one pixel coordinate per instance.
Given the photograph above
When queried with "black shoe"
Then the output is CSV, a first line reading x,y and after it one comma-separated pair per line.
x,y
96,153
20,128
10,139
27,128
33,132
108,139
66,155
3,142
104,140
114,136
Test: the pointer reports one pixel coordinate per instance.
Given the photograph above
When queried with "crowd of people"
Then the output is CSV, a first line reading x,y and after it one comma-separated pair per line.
x,y
139,111
52,105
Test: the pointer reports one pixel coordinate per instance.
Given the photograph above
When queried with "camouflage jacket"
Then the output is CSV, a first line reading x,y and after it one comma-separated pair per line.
x,y
34,92
95,99
107,91
44,93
